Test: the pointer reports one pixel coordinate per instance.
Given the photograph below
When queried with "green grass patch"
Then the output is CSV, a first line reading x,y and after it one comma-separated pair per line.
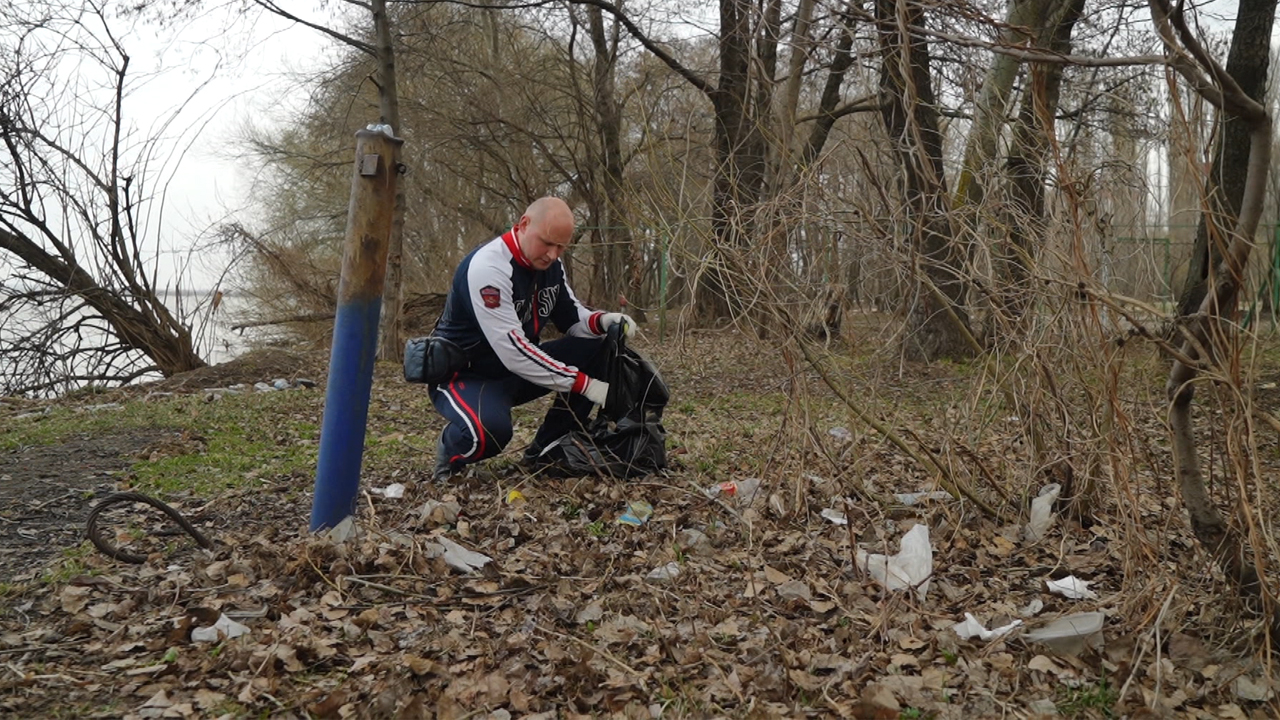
x,y
1088,701
246,438
70,565
228,443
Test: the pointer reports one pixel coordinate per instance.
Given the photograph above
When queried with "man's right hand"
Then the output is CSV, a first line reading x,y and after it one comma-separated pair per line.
x,y
610,319
597,391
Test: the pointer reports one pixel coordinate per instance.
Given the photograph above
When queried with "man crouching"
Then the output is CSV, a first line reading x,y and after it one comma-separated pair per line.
x,y
503,294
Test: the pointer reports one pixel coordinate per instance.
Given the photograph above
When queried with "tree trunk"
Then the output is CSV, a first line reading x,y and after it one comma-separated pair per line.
x,y
790,100
615,231
830,95
1247,63
992,105
740,160
390,346
1025,166
1209,332
159,336
938,323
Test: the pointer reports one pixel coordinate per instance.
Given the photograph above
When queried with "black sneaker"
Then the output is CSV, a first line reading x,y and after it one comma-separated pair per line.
x,y
445,470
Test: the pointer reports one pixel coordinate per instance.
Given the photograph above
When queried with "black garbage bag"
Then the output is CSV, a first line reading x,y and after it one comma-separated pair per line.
x,y
636,389
626,438
619,450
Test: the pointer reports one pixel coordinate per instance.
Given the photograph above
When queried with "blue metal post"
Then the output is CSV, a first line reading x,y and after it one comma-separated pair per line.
x,y
355,328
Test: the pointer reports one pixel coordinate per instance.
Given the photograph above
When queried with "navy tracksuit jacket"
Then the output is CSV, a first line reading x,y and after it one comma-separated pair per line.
x,y
496,310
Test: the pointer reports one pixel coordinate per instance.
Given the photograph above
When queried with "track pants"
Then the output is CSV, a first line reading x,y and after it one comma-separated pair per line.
x,y
478,407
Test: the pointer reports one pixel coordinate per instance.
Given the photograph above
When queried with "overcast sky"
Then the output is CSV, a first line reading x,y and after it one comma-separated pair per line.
x,y
206,79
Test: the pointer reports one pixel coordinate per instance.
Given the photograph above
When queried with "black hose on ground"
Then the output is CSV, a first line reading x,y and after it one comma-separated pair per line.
x,y
110,550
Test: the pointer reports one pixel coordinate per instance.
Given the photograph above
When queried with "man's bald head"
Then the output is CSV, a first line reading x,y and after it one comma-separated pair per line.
x,y
550,212
546,229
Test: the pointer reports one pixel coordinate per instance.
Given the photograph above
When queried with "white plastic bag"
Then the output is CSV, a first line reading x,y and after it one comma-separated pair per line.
x,y
910,568
1042,512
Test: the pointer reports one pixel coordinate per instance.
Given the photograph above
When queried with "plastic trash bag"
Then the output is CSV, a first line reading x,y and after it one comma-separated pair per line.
x,y
911,568
1042,512
624,449
636,389
626,439
1071,634
972,628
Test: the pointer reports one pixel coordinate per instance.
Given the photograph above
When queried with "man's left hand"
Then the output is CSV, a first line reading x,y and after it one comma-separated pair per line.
x,y
608,320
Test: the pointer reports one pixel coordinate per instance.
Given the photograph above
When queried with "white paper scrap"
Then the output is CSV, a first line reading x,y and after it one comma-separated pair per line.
x,y
972,628
835,516
224,625
1072,587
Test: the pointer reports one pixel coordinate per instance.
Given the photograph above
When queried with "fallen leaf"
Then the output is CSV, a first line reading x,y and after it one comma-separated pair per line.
x,y
591,613
159,700
74,598
775,576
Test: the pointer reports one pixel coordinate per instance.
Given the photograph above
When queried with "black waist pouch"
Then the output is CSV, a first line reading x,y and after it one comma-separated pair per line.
x,y
432,360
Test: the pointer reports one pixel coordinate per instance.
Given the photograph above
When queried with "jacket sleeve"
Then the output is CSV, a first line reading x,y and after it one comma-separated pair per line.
x,y
572,317
489,289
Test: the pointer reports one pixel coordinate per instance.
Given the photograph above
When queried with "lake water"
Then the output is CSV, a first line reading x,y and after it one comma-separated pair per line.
x,y
212,331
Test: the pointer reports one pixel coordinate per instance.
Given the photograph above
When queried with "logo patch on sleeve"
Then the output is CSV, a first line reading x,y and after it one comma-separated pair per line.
x,y
491,295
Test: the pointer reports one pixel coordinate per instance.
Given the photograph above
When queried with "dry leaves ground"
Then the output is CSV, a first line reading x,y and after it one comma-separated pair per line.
x,y
760,610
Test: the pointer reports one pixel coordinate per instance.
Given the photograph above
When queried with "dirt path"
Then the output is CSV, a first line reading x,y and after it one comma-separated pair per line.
x,y
46,492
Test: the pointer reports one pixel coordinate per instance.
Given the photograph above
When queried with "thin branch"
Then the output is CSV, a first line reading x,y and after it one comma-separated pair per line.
x,y
870,103
651,45
270,6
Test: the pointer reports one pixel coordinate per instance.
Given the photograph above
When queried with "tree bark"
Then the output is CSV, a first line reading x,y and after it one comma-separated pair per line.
x,y
938,321
740,160
1025,166
390,345
828,112
619,250
790,100
1247,63
1207,327
993,101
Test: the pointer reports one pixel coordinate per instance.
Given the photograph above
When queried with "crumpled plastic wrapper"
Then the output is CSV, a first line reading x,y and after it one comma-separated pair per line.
x,y
910,568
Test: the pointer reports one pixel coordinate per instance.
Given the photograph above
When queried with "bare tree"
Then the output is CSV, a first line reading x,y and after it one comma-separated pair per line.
x,y
939,315
1207,340
1247,63
83,303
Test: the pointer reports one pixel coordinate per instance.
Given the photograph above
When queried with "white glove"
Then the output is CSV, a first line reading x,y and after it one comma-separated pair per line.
x,y
608,320
597,391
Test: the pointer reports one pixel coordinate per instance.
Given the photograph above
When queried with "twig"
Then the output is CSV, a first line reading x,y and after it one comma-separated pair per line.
x,y
945,479
33,648
1142,650
385,588
1267,418
46,503
603,653
304,318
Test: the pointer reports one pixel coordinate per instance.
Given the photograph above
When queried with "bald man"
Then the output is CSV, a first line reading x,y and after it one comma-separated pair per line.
x,y
503,294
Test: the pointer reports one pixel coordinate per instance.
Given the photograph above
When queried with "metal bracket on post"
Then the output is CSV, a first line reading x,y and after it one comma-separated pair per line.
x,y
355,328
